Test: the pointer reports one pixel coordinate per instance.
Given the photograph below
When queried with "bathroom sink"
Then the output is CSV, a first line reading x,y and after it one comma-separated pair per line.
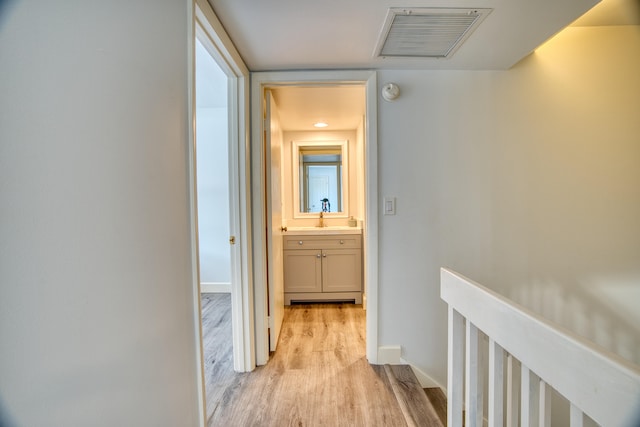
x,y
324,230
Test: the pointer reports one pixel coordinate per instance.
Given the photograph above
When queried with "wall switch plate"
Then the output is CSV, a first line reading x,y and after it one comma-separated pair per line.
x,y
389,207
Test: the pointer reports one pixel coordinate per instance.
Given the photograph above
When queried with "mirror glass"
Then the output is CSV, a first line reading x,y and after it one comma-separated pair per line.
x,y
321,176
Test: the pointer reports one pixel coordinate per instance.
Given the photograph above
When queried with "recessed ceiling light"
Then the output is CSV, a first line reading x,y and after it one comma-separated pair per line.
x,y
320,125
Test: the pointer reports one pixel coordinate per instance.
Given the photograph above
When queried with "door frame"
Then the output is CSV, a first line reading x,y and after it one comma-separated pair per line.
x,y
208,29
259,82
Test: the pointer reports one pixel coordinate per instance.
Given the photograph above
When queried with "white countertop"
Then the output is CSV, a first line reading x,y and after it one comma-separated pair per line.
x,y
310,231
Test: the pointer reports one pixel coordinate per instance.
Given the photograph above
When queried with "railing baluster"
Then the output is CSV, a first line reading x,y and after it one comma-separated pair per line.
x,y
530,389
455,370
513,392
473,391
576,417
545,405
496,381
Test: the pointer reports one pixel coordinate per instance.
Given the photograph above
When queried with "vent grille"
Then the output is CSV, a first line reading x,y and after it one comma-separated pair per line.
x,y
427,33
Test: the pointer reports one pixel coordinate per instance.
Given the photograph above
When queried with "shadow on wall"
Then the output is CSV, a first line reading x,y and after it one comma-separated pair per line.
x,y
5,420
604,312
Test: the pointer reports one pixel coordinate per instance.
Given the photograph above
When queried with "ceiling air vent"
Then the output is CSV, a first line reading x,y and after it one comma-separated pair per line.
x,y
427,32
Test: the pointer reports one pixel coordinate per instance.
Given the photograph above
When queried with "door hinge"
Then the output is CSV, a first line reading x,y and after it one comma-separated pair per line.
x,y
232,240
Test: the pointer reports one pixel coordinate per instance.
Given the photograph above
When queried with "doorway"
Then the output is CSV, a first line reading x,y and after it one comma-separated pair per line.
x,y
212,173
263,86
213,225
209,37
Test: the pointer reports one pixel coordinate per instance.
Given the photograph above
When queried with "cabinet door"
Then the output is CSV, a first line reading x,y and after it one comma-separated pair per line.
x,y
303,270
341,270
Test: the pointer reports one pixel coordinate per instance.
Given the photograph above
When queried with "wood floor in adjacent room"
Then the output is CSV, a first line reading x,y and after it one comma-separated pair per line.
x,y
318,376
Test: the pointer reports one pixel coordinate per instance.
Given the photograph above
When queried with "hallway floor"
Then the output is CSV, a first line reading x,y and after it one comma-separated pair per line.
x,y
318,376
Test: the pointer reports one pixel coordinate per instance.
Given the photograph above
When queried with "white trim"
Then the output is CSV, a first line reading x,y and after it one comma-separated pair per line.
x,y
193,212
601,384
207,18
215,288
371,217
221,47
259,82
389,355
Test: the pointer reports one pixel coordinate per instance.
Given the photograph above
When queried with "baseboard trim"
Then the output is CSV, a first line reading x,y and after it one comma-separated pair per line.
x,y
425,380
389,355
215,288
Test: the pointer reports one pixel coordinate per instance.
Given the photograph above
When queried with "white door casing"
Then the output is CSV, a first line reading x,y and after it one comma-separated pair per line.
x,y
259,82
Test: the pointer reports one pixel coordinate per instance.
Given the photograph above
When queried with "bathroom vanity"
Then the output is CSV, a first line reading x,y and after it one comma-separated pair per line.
x,y
323,264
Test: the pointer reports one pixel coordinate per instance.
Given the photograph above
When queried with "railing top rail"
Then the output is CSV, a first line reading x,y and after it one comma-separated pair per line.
x,y
603,385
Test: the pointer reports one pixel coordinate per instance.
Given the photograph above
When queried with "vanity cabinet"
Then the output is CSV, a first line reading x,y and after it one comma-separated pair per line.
x,y
323,268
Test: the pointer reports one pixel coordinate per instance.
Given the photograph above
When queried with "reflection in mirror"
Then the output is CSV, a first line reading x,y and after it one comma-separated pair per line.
x,y
320,177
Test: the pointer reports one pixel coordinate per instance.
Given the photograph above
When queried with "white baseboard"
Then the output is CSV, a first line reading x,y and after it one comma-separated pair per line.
x,y
389,355
425,380
215,288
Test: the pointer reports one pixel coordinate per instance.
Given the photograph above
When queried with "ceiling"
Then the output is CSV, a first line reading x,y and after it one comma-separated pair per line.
x,y
341,108
338,34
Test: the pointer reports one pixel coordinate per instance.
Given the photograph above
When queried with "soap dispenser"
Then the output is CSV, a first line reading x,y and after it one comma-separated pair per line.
x,y
353,222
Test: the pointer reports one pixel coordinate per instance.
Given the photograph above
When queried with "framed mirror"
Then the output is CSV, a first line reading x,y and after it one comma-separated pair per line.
x,y
321,171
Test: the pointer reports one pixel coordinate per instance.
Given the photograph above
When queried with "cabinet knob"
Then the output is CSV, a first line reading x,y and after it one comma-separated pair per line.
x,y
324,255
300,242
318,256
342,242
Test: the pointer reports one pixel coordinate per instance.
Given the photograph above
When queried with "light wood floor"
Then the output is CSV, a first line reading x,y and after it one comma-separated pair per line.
x,y
318,376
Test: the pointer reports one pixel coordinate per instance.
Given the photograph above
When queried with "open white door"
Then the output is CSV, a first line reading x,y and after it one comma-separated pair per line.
x,y
275,278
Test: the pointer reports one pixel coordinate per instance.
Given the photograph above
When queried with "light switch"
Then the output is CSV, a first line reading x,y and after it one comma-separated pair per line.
x,y
389,205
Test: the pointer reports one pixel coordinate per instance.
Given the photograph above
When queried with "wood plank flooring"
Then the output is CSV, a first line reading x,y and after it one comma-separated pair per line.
x,y
411,397
318,376
217,347
439,402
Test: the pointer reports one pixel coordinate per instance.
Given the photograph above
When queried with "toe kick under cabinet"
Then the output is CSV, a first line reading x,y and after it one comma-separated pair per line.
x,y
323,268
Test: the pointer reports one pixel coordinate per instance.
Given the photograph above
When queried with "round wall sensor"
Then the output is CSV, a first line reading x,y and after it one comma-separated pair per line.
x,y
390,91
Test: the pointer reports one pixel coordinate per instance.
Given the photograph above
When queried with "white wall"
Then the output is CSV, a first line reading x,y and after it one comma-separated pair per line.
x,y
96,306
512,178
213,194
212,154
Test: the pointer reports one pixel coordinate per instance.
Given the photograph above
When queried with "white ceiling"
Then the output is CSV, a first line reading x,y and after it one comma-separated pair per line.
x,y
330,34
342,34
341,108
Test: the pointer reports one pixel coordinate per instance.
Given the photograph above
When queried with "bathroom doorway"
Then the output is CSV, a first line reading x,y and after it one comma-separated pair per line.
x,y
300,100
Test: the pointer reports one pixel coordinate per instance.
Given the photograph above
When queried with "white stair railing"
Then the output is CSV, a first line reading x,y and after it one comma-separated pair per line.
x,y
527,357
